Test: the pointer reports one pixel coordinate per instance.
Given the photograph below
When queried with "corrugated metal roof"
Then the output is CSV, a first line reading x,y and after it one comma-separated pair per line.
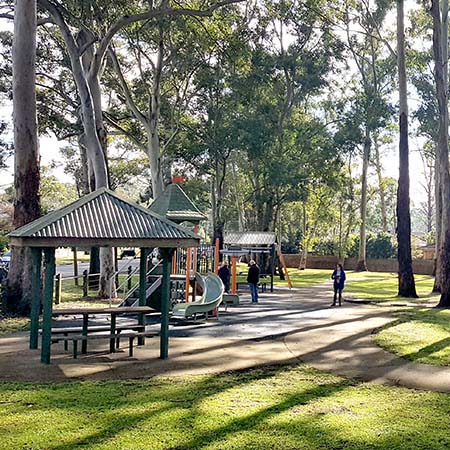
x,y
103,215
174,204
249,238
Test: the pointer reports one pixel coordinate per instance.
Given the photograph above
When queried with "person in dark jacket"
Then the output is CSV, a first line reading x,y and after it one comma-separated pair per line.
x,y
253,280
224,275
339,279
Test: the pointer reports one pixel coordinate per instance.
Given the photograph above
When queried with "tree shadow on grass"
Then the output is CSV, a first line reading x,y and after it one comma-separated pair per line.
x,y
428,351
133,397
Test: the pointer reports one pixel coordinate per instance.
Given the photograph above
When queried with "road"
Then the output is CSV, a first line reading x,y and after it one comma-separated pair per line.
x,y
66,270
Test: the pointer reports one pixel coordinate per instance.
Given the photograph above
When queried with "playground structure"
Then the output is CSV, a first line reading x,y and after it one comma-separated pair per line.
x,y
260,246
212,288
83,224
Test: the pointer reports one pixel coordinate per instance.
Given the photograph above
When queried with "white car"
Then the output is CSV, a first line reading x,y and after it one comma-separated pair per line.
x,y
5,259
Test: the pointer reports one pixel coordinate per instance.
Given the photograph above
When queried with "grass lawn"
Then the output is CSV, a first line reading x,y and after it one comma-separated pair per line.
x,y
81,257
421,335
12,324
272,408
383,286
299,278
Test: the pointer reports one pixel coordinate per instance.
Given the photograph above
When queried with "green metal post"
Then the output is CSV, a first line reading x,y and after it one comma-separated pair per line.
x,y
35,297
142,287
49,258
165,302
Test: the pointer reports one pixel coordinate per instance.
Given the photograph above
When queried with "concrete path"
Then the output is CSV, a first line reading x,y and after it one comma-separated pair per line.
x,y
285,327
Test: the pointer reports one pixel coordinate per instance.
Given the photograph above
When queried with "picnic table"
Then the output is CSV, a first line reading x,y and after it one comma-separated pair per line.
x,y
113,312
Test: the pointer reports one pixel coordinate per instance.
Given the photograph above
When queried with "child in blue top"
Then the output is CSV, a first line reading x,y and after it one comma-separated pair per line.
x,y
339,279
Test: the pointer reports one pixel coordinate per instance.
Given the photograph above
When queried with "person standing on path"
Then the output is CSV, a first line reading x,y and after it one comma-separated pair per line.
x,y
338,276
224,275
253,280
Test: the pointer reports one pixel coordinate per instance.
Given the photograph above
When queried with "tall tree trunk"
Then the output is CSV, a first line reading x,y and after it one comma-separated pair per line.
x,y
381,187
26,164
106,287
438,225
440,49
361,264
406,285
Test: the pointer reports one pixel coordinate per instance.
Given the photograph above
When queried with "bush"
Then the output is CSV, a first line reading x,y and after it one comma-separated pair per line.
x,y
378,246
4,243
325,248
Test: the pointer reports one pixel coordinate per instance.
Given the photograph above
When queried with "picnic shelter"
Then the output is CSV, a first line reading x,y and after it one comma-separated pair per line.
x,y
99,219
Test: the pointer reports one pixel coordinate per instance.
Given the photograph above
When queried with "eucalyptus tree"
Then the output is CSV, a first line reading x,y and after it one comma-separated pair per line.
x,y
375,63
88,30
439,13
26,150
421,72
406,284
292,52
149,102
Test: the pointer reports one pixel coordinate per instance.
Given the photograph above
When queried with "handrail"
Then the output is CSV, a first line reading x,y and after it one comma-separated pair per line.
x,y
130,275
133,288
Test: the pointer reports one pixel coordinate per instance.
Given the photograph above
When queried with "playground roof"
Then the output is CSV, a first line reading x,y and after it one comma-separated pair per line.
x,y
175,205
103,218
250,238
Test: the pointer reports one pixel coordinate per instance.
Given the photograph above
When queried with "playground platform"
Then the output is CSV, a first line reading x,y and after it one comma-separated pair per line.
x,y
286,327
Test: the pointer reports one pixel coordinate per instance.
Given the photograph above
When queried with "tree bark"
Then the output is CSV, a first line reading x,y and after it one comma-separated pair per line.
x,y
26,164
439,48
406,285
106,286
361,264
381,188
438,232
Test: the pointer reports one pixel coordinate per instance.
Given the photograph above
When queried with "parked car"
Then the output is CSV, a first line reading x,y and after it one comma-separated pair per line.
x,y
5,259
128,252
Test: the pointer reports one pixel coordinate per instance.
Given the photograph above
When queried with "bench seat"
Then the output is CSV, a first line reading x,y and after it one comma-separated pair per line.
x,y
131,335
92,330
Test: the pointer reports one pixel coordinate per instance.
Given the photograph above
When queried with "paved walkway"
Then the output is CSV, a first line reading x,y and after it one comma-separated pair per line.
x,y
285,327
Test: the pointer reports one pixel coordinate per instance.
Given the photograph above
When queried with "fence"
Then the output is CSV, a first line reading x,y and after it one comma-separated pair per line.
x,y
420,266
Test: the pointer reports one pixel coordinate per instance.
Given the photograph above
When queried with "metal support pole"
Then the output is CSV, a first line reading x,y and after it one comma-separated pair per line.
x,y
188,273
165,302
49,258
35,297
142,287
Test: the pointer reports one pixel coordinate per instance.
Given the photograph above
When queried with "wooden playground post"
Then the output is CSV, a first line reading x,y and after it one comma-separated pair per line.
x,y
280,255
233,274
216,257
75,265
188,273
174,262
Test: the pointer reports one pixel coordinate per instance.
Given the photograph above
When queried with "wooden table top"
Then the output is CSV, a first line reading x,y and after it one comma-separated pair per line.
x,y
116,310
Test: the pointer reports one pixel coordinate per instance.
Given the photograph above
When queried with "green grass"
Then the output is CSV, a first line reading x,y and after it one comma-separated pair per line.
x,y
382,286
10,325
421,335
299,278
272,408
81,257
